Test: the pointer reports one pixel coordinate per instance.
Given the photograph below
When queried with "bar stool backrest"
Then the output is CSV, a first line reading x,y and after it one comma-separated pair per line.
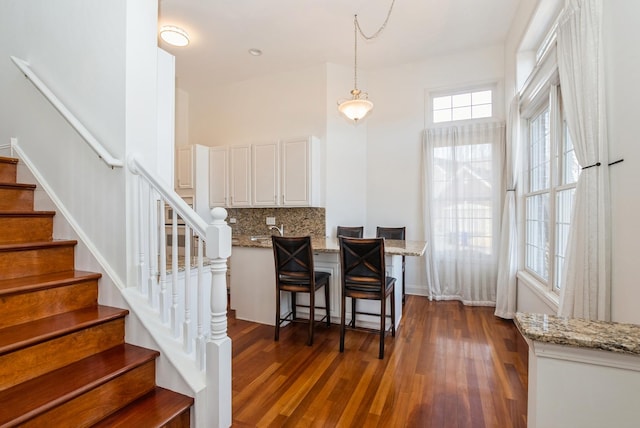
x,y
362,263
350,231
391,232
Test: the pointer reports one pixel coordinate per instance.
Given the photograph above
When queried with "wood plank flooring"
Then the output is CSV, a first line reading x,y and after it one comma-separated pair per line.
x,y
449,366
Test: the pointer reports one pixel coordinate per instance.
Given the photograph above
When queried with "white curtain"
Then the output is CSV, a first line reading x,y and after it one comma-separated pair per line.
x,y
508,255
586,290
463,188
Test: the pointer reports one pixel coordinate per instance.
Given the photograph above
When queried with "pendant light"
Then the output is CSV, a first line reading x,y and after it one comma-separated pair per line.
x,y
359,105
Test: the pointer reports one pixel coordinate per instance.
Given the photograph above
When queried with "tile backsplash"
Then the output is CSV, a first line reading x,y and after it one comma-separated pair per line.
x,y
296,221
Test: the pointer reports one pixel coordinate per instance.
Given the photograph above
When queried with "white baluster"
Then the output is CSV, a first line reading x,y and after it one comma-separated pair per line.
x,y
175,328
187,334
200,308
161,264
140,237
151,250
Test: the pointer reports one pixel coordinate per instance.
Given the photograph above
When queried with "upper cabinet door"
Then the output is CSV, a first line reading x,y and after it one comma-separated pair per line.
x,y
297,172
266,177
184,177
218,177
240,178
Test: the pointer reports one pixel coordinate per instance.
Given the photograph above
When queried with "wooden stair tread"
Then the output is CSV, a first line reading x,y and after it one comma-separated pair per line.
x,y
154,409
20,186
20,336
27,213
4,159
37,245
64,362
26,400
49,280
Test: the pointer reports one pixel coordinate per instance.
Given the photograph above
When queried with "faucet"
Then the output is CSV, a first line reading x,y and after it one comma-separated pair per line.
x,y
279,229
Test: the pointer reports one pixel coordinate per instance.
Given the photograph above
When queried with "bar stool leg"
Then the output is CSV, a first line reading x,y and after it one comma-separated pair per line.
x,y
343,316
383,321
276,336
393,311
327,304
312,316
353,312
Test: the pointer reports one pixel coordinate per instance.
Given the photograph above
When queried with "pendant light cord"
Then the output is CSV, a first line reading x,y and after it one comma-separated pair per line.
x,y
356,30
382,27
355,52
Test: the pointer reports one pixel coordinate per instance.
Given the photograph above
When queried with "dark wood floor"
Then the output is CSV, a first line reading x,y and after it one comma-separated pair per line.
x,y
449,366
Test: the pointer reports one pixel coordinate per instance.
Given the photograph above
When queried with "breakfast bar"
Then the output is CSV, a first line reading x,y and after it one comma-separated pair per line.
x,y
252,283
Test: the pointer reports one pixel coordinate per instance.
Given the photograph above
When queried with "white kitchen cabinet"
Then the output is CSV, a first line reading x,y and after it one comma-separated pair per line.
x,y
192,178
273,174
184,176
266,174
300,171
218,177
240,176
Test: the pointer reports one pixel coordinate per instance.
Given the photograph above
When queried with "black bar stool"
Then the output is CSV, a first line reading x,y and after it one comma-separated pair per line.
x,y
364,277
293,257
397,233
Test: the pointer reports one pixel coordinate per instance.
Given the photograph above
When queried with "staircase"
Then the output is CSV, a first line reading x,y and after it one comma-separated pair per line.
x,y
63,359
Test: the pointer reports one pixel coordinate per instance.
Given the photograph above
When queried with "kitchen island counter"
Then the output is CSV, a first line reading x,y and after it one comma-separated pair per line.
x,y
392,247
252,282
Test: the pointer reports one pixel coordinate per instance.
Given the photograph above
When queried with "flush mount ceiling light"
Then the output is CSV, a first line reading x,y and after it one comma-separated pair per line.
x,y
175,36
255,52
358,106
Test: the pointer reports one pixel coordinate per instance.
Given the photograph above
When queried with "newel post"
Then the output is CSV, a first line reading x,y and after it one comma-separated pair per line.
x,y
218,353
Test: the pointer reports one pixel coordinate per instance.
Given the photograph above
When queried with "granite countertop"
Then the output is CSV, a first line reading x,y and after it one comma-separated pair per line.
x,y
603,335
330,245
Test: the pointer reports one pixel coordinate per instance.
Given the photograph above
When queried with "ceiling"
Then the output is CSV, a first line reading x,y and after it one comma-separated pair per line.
x,y
294,34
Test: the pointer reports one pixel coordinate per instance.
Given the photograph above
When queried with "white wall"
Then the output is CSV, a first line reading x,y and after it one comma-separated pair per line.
x,y
108,82
182,117
65,43
622,68
346,159
167,122
285,105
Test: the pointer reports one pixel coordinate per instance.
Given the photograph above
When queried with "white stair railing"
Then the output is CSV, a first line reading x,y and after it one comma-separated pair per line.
x,y
189,291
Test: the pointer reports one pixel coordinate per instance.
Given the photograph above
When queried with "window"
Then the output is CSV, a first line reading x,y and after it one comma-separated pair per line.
x,y
465,222
464,187
551,172
462,106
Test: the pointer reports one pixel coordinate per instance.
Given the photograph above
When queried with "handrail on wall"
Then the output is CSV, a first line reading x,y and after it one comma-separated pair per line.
x,y
70,117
